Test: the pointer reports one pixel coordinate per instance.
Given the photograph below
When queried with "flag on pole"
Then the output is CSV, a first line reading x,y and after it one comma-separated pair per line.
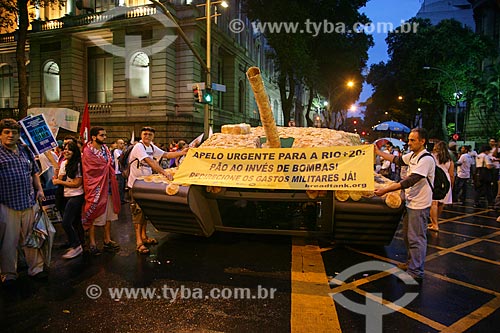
x,y
85,126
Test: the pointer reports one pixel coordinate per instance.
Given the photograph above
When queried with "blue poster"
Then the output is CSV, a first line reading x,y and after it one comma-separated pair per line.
x,y
39,134
24,137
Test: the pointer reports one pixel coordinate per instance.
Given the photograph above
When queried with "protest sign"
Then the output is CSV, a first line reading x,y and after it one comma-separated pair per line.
x,y
321,168
38,134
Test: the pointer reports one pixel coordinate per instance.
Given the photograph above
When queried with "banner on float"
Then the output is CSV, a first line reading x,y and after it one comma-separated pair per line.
x,y
38,133
320,168
58,117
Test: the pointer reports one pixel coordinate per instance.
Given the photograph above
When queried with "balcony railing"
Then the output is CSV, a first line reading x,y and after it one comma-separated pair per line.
x,y
9,113
75,21
8,38
95,108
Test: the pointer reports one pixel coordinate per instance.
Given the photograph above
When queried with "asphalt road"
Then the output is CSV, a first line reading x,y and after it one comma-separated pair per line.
x,y
460,292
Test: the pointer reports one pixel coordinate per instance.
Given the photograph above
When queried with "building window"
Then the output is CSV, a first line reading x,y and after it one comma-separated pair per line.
x,y
241,97
139,75
105,5
100,76
278,115
6,86
51,82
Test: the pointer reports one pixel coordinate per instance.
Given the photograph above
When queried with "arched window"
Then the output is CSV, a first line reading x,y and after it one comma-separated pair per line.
x,y
51,81
241,97
139,75
6,86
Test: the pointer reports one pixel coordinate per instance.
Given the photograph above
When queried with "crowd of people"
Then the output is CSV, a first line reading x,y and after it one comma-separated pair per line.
x,y
92,190
464,166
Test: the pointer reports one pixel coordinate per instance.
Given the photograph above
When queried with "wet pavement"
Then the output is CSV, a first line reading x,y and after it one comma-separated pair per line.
x,y
460,292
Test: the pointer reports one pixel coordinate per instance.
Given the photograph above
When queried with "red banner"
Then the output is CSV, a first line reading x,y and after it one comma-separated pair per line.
x,y
85,126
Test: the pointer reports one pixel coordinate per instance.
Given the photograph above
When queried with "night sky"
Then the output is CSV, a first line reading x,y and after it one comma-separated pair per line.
x,y
385,11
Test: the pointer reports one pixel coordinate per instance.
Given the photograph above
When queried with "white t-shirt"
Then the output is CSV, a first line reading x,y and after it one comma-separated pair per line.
x,y
464,164
116,153
419,196
139,153
493,158
473,156
71,191
483,160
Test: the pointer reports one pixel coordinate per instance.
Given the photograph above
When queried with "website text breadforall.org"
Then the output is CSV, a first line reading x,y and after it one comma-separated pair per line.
x,y
94,291
323,27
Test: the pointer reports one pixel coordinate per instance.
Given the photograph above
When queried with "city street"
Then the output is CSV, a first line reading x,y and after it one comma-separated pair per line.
x,y
289,281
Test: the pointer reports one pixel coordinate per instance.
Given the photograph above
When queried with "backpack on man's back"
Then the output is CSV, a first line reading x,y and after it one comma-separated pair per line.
x,y
441,184
123,164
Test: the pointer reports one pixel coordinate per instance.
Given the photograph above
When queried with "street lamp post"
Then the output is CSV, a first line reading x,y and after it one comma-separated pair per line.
x,y
208,117
456,95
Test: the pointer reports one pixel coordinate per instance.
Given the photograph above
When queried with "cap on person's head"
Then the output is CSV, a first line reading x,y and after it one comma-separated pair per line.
x,y
148,129
60,143
452,144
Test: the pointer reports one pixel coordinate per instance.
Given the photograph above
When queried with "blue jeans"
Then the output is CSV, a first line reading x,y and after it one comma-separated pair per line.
x,y
121,186
72,220
415,236
460,189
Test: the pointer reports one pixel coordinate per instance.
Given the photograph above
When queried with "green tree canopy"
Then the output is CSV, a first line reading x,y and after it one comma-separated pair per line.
x,y
14,14
453,53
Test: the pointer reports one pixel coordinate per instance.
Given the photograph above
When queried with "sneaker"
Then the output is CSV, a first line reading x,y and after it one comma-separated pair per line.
x,y
10,284
111,246
94,251
73,252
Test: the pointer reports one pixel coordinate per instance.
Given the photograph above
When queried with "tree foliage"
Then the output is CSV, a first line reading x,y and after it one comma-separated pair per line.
x,y
322,61
453,53
15,14
485,101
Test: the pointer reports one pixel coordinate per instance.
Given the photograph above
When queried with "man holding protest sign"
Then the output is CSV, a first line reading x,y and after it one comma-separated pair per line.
x,y
20,189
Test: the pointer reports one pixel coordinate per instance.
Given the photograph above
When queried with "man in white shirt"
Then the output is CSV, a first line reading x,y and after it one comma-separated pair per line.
x,y
483,178
494,159
464,164
120,144
143,160
418,194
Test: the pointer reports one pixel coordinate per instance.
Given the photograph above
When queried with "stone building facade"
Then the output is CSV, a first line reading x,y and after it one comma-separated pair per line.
x,y
127,61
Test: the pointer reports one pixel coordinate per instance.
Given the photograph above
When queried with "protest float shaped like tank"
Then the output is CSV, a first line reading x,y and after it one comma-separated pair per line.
x,y
283,205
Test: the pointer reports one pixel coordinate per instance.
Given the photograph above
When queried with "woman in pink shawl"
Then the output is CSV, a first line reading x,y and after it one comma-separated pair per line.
x,y
102,198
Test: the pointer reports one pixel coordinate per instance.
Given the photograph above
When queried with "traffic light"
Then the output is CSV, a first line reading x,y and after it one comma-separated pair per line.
x,y
207,96
197,93
355,122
